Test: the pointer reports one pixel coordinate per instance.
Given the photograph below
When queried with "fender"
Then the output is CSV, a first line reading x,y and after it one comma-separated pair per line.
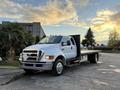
x,y
62,58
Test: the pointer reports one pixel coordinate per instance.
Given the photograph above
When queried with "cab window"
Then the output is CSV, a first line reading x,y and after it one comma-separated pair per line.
x,y
66,41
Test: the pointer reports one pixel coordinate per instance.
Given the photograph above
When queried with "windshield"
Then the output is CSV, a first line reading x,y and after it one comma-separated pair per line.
x,y
51,40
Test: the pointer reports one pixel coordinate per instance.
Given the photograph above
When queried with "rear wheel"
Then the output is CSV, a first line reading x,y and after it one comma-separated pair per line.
x,y
93,59
58,67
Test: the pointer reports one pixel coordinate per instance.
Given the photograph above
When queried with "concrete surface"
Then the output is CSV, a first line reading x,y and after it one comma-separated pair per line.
x,y
102,76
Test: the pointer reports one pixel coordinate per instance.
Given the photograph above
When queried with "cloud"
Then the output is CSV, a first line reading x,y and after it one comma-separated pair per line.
x,y
77,3
116,19
9,9
104,22
102,19
75,22
54,11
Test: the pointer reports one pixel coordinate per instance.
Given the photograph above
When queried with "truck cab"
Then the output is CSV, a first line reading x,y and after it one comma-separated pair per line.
x,y
51,53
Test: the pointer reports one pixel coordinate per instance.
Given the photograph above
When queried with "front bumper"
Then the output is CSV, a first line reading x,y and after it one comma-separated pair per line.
x,y
37,65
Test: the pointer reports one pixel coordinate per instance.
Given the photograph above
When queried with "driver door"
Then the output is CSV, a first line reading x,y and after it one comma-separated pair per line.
x,y
66,47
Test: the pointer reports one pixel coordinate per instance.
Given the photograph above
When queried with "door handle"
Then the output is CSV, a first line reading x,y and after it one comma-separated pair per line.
x,y
71,47
62,49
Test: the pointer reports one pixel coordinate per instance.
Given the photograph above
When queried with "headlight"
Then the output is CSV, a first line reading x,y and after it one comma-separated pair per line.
x,y
49,57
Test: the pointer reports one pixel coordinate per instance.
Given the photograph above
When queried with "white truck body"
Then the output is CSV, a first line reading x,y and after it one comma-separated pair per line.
x,y
43,56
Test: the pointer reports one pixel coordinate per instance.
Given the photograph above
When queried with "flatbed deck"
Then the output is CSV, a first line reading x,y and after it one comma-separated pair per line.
x,y
85,52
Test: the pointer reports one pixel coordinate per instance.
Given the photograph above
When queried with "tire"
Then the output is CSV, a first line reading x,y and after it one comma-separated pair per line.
x,y
95,61
58,67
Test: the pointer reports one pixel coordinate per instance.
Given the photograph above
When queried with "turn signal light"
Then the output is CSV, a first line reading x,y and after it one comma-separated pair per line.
x,y
49,57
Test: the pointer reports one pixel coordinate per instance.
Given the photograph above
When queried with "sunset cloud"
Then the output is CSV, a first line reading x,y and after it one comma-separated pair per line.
x,y
104,22
9,9
54,12
75,22
78,3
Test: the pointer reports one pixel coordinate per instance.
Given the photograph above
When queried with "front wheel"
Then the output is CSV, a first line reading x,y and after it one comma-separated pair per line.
x,y
58,67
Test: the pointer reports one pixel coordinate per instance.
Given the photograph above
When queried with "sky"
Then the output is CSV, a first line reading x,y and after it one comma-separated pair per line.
x,y
66,17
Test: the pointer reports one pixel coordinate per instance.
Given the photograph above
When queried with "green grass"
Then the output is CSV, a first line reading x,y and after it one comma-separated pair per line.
x,y
14,63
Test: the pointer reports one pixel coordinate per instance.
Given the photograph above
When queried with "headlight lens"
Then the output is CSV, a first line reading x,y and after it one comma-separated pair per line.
x,y
49,57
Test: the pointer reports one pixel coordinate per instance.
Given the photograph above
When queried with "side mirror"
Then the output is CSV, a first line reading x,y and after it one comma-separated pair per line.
x,y
64,44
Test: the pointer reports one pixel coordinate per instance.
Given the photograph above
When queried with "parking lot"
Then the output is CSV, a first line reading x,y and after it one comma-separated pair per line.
x,y
102,76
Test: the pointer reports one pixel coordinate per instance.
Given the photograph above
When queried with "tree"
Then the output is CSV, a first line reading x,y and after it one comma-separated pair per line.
x,y
89,40
84,42
13,39
114,39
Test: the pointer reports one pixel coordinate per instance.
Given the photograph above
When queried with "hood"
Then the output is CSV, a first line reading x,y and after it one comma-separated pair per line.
x,y
42,47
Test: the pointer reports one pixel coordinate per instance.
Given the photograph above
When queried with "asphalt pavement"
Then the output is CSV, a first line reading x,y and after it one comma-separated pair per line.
x,y
102,76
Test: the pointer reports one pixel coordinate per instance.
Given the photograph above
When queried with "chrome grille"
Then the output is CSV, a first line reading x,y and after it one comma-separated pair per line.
x,y
31,58
30,55
30,51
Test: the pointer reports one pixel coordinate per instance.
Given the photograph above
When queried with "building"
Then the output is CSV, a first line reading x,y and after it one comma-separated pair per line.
x,y
35,28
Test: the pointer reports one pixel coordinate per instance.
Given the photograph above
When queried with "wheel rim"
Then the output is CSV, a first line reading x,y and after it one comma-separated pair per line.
x,y
59,67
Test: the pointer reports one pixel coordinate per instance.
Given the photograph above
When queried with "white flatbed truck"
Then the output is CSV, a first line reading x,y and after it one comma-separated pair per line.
x,y
54,53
